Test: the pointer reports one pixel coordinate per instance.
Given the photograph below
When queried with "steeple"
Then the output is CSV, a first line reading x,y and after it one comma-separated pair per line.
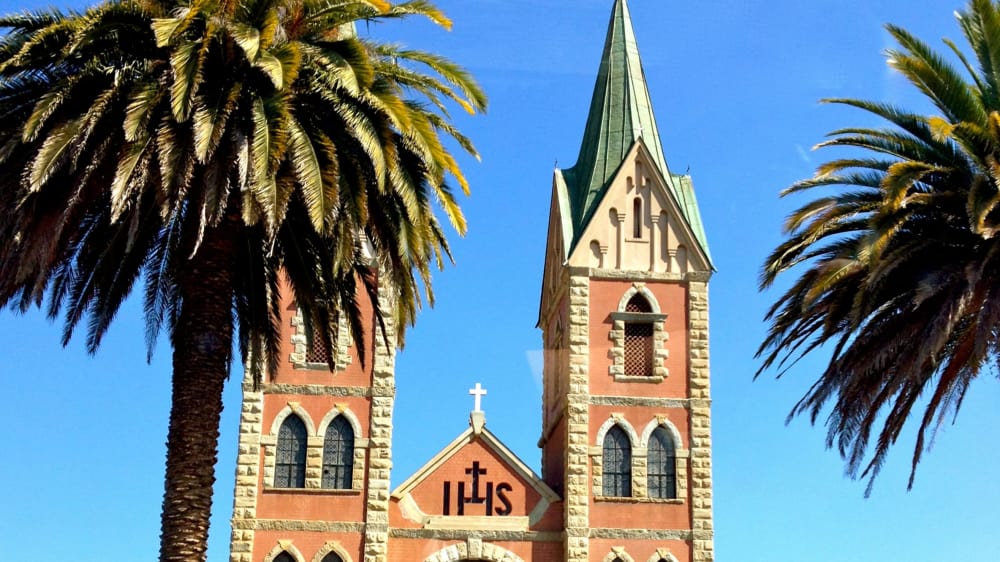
x,y
620,115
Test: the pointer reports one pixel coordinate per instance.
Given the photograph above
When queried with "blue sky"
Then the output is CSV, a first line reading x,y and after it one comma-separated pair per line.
x,y
735,86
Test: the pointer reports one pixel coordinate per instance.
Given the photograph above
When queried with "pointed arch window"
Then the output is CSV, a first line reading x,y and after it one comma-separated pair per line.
x,y
617,464
662,465
338,455
290,462
332,557
284,557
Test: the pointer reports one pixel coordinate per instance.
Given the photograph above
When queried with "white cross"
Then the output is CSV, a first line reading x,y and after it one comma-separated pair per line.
x,y
478,392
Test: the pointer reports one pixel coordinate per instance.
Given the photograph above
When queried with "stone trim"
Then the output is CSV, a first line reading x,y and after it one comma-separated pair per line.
x,y
341,356
485,534
289,409
317,390
477,522
337,411
618,552
300,525
628,275
334,547
703,549
658,421
247,473
617,335
662,554
376,544
473,549
642,534
613,420
284,546
640,401
576,490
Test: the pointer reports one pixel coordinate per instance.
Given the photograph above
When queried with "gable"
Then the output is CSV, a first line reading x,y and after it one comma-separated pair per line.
x,y
476,482
658,239
559,235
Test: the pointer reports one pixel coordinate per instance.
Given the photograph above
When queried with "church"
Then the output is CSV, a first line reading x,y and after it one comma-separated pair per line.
x,y
625,431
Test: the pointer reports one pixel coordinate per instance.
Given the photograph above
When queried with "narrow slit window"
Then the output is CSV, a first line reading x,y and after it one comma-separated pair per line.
x,y
637,217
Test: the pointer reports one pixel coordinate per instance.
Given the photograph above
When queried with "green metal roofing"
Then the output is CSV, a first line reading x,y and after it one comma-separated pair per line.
x,y
620,115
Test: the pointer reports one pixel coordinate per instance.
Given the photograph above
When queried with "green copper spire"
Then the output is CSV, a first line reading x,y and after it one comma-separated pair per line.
x,y
620,115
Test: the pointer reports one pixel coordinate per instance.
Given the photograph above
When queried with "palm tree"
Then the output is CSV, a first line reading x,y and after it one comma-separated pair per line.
x,y
205,149
898,265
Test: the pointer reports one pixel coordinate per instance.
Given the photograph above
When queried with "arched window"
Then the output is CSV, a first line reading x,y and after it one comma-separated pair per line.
x,y
617,464
662,465
283,557
638,340
290,465
637,217
332,557
338,455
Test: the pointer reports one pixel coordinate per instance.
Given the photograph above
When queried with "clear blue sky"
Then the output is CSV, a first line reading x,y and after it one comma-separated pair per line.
x,y
735,86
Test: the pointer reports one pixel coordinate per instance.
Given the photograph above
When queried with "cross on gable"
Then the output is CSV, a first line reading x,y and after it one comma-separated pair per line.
x,y
478,392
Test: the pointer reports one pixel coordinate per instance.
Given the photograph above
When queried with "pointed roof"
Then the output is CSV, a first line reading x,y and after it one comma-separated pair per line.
x,y
621,114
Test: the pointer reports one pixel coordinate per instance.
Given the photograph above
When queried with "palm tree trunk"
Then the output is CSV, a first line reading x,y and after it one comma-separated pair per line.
x,y
202,348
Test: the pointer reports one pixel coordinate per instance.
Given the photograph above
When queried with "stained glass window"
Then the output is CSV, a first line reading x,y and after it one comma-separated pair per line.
x,y
617,466
662,465
290,465
338,454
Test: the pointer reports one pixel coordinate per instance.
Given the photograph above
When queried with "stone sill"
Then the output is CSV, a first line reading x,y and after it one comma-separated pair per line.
x,y
312,367
616,499
638,240
639,378
314,491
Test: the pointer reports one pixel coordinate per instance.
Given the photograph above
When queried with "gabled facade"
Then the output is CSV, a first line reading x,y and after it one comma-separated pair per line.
x,y
625,437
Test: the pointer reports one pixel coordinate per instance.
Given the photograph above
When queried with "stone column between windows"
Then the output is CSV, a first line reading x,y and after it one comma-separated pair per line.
x,y
380,443
247,473
701,435
578,422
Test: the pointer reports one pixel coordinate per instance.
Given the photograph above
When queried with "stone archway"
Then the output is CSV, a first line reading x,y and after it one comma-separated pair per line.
x,y
474,550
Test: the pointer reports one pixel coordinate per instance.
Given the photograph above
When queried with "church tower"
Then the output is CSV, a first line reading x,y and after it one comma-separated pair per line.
x,y
624,317
312,474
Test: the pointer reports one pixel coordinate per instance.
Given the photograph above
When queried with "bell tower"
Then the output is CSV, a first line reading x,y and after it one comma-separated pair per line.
x,y
624,316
